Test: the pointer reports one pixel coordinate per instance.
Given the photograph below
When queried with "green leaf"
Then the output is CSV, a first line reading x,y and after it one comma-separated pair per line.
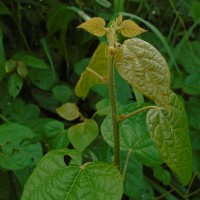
x,y
193,112
192,84
169,131
143,67
59,17
19,111
99,64
53,179
62,93
4,9
95,26
81,135
42,78
103,107
22,69
2,57
10,65
31,61
55,135
17,151
68,111
133,136
162,175
104,3
15,84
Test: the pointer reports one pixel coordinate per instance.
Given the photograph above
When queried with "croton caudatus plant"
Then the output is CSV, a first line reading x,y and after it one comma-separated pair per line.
x,y
152,134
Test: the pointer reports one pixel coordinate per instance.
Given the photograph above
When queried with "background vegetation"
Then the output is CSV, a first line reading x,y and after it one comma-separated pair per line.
x,y
42,55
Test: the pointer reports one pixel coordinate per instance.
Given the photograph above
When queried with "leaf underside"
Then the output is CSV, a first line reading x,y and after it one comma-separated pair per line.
x,y
52,179
143,67
169,131
99,64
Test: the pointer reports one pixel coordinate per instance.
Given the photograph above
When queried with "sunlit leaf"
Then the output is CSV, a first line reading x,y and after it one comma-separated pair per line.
x,y
143,67
130,29
94,26
53,179
99,64
169,131
68,111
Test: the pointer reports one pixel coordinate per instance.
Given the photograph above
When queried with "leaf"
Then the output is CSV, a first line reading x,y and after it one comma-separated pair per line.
x,y
143,67
95,26
133,136
128,28
62,93
193,112
104,3
4,9
103,107
68,111
15,84
53,179
162,175
55,135
22,69
192,84
17,151
81,135
10,65
99,64
2,57
169,131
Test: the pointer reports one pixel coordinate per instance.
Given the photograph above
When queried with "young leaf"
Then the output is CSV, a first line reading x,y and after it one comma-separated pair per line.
x,y
82,134
99,64
68,111
133,136
169,131
53,179
128,28
143,67
95,26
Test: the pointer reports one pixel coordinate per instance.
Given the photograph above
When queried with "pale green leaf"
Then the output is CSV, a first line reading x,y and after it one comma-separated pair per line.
x,y
22,69
99,64
169,131
128,28
95,26
10,65
81,135
15,84
143,67
68,111
53,179
17,152
133,136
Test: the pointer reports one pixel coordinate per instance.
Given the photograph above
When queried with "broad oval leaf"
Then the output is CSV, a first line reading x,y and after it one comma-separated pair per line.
x,y
95,26
128,28
52,179
133,136
143,67
99,64
169,131
81,135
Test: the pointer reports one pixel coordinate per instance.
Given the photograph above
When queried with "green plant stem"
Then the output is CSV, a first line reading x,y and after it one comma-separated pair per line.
x,y
123,116
179,192
126,164
191,182
115,122
193,193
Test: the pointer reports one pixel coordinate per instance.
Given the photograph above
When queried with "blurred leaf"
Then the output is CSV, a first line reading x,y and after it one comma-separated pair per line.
x,y
22,69
4,95
55,135
81,65
195,139
105,179
162,175
42,78
10,65
195,10
95,26
2,57
169,131
15,84
104,3
4,9
17,151
81,135
99,64
31,61
18,111
59,17
133,136
192,84
61,93
130,28
68,111
196,163
193,111
144,68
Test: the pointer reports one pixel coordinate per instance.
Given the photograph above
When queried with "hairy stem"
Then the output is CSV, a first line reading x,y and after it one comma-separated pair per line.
x,y
115,122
